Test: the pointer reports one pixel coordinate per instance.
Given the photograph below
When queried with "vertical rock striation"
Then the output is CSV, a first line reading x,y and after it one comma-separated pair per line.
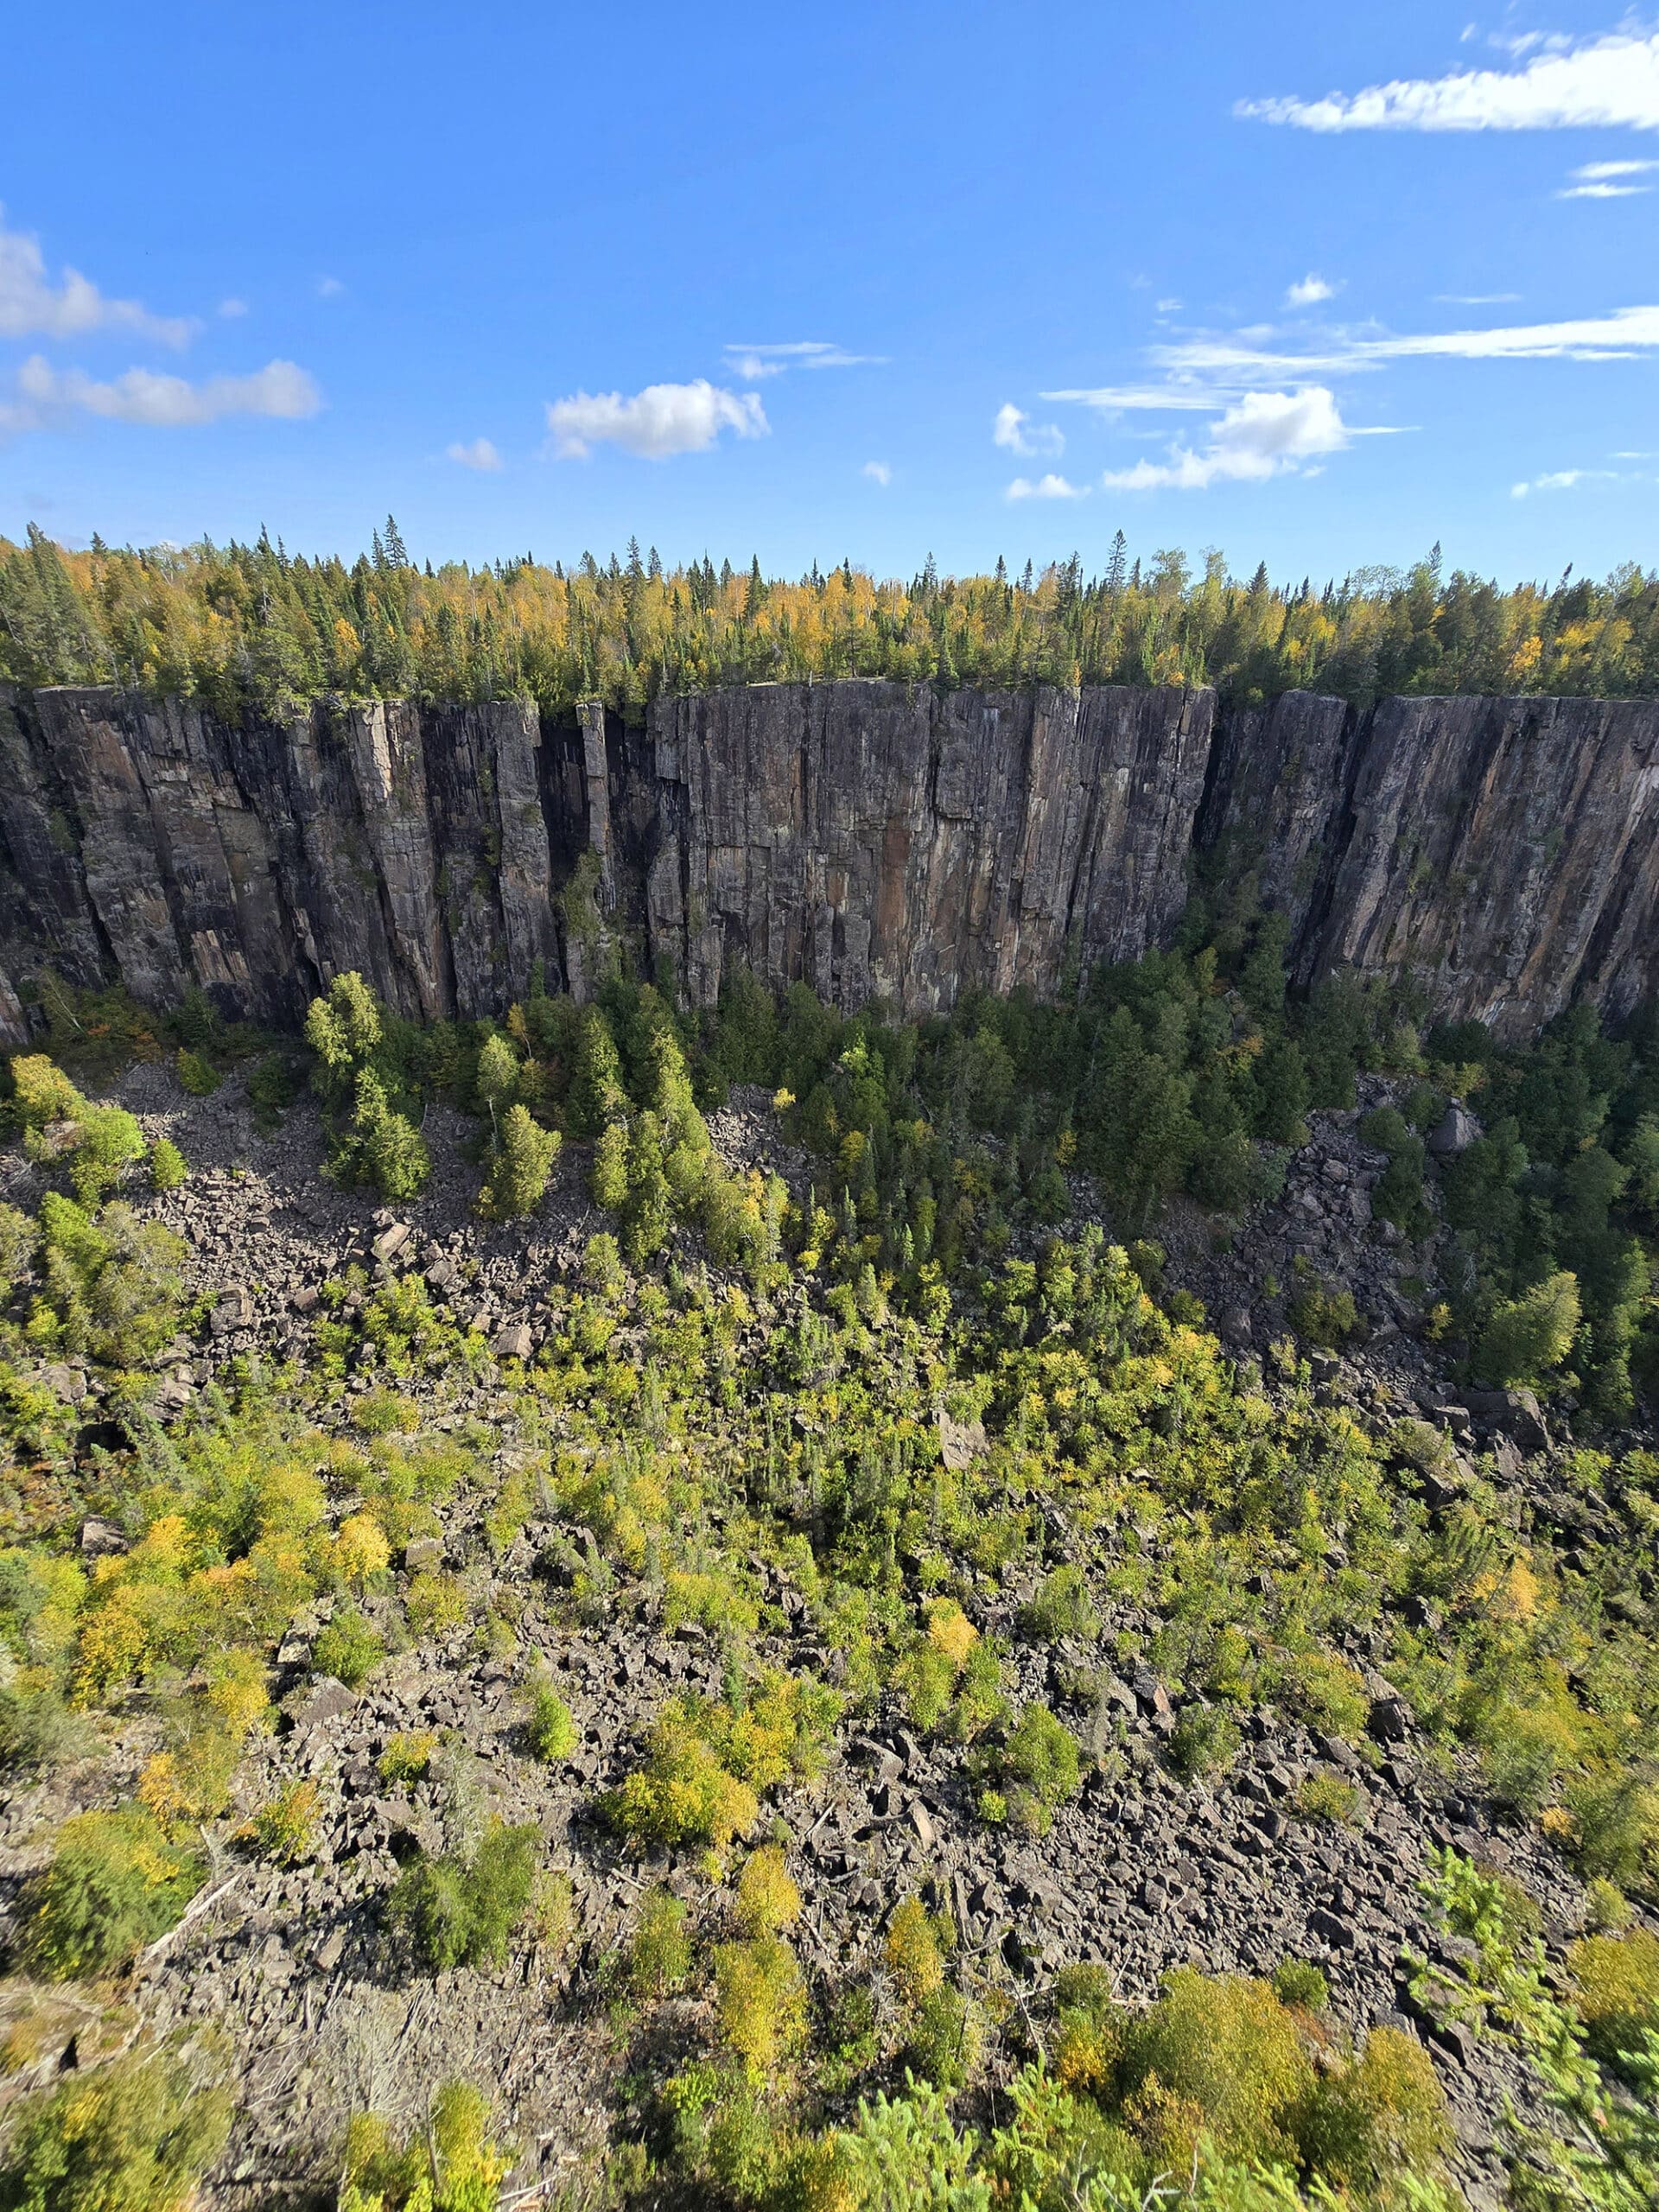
x,y
876,839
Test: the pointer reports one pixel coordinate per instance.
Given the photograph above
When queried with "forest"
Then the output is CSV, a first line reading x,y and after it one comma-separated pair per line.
x,y
731,1430
248,629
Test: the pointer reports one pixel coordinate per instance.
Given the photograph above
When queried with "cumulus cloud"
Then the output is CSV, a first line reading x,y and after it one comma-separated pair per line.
x,y
31,305
1015,430
754,362
1309,292
1264,434
662,420
329,287
45,394
1046,488
480,455
877,472
1608,81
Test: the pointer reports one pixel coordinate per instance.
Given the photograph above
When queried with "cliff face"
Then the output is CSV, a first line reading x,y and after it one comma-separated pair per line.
x,y
874,839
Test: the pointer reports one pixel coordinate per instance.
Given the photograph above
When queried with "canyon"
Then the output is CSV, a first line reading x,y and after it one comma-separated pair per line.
x,y
876,840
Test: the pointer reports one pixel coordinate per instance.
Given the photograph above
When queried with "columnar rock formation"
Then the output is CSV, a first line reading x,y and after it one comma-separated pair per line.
x,y
876,839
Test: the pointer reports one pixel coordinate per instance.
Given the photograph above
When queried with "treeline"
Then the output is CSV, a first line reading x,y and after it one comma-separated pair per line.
x,y
250,628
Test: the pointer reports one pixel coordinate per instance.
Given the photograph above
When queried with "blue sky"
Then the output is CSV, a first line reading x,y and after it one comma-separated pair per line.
x,y
1310,283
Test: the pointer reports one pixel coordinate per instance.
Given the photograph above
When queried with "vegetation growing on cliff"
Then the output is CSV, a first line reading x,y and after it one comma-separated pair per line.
x,y
838,1424
247,628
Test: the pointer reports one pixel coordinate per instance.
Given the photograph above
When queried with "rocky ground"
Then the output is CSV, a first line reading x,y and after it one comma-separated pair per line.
x,y
1141,1872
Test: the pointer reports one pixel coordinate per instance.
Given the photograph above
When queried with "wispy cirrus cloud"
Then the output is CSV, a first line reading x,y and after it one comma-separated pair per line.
x,y
753,363
1015,432
663,420
1607,181
33,305
1609,82
1623,334
44,396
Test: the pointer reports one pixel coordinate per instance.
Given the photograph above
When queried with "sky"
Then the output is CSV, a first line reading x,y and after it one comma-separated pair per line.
x,y
1311,284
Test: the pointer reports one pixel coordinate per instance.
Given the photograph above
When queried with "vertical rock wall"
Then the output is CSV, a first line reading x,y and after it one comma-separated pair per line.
x,y
876,839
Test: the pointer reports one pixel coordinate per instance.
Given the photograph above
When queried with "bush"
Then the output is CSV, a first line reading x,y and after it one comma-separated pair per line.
x,y
1038,1767
115,1884
1062,1607
1616,1990
1380,2115
550,1728
347,1648
168,1166
760,2002
462,1911
1325,1797
1230,2062
1324,1318
1300,1984
705,1761
1205,1741
943,2043
913,1953
450,2166
285,1830
407,1757
659,1952
767,1900
134,2135
197,1074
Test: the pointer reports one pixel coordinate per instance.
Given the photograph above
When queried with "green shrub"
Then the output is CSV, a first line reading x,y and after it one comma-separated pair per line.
x,y
760,2002
659,1950
168,1166
1219,2056
348,1647
198,1075
115,1884
551,1726
450,2164
461,1909
767,1900
1379,2116
1037,1767
705,1761
1324,1318
1062,1607
285,1830
1616,1989
1205,1741
407,1757
1326,1795
1300,1984
134,2135
1528,1338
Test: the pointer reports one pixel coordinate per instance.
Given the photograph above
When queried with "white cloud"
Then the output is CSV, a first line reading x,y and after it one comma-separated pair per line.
x,y
45,394
1562,479
877,472
1608,81
662,420
480,455
1607,181
329,287
232,308
1264,434
1621,335
1476,299
1111,399
31,305
1309,292
1015,432
1046,488
1168,307
754,362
